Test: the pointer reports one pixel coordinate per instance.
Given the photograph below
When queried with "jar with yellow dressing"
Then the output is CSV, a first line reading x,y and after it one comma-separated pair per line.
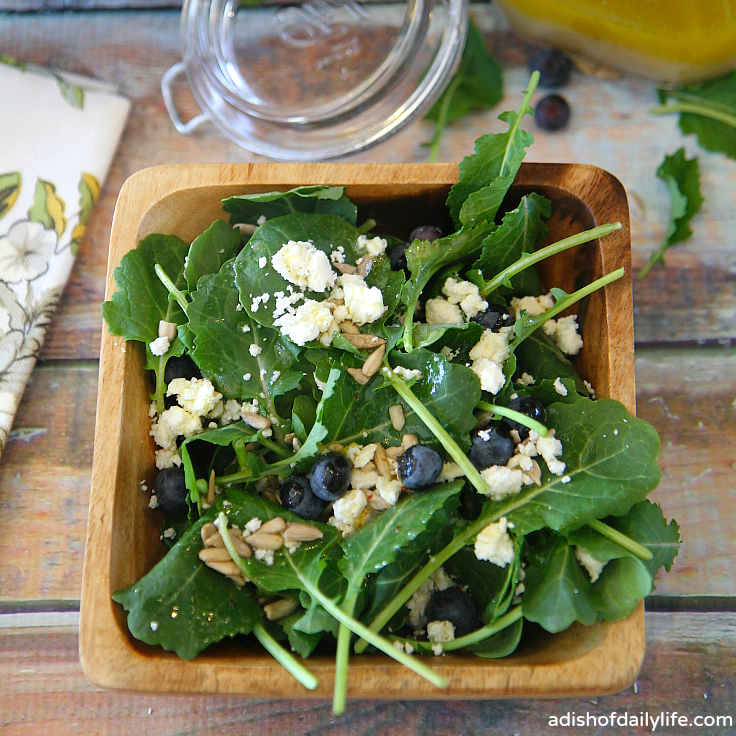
x,y
672,41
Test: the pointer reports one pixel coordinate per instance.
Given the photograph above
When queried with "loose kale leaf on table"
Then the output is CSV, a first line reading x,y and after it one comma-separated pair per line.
x,y
240,364
320,200
477,84
141,300
216,245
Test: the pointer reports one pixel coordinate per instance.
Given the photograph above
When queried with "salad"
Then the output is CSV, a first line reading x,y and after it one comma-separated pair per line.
x,y
370,442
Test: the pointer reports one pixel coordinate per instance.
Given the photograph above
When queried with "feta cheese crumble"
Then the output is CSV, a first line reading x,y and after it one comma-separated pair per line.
x,y
550,448
159,346
560,387
502,482
439,311
494,544
440,631
301,264
262,261
526,380
490,373
373,246
466,295
305,324
363,303
417,604
347,509
195,395
592,566
407,373
255,350
566,335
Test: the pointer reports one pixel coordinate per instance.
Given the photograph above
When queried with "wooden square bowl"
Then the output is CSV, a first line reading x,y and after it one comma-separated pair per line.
x,y
123,538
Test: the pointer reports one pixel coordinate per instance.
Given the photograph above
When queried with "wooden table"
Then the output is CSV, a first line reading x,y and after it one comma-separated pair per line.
x,y
686,373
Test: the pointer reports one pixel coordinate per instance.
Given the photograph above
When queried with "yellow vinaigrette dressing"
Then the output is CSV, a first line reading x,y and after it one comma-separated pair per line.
x,y
667,40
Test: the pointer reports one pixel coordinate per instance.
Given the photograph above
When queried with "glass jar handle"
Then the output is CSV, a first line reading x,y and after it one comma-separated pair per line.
x,y
166,82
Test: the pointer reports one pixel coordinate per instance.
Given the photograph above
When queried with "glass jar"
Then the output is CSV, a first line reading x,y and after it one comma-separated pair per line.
x,y
671,41
318,80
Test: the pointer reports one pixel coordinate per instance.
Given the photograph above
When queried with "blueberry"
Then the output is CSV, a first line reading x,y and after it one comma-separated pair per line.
x,y
494,318
528,406
296,496
470,503
553,66
171,492
397,256
425,232
455,606
330,476
491,446
419,467
552,112
181,367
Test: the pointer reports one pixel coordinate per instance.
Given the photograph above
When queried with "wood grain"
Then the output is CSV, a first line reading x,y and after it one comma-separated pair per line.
x,y
690,665
692,300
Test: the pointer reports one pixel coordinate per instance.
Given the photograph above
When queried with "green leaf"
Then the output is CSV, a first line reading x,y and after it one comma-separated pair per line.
x,y
300,642
521,231
486,176
303,416
141,300
217,244
319,200
682,177
10,185
547,394
477,84
610,458
184,606
48,207
622,584
72,93
458,338
708,110
222,349
558,591
499,645
540,357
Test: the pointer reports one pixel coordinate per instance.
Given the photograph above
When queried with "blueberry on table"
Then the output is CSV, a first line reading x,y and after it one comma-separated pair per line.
x,y
528,406
330,476
171,492
419,467
491,446
181,367
425,232
552,112
397,256
553,66
455,606
494,318
296,496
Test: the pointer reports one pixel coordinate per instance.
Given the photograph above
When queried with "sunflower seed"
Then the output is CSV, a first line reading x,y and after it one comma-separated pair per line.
x,y
373,361
335,447
279,609
273,526
226,568
211,488
239,580
167,329
359,376
364,342
296,532
394,452
264,540
365,264
409,440
255,420
381,461
207,531
349,328
535,474
240,546
214,554
396,414
345,268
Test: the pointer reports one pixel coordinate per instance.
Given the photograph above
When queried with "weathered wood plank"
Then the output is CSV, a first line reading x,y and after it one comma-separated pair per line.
x,y
45,472
692,300
689,667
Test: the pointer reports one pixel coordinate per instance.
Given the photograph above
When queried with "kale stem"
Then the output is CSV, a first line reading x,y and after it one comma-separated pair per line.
x,y
475,637
342,657
280,451
621,540
173,291
437,430
517,416
241,454
696,109
441,122
285,659
533,82
367,226
531,258
160,385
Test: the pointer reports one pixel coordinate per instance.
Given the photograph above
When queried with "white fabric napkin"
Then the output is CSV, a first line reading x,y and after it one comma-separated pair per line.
x,y
58,134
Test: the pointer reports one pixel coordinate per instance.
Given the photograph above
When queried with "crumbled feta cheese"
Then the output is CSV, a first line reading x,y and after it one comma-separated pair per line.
x,y
560,387
231,410
466,295
532,305
302,264
172,423
170,533
261,220
450,471
441,580
167,459
440,631
490,373
494,544
437,649
389,489
154,625
359,455
399,646
152,409
363,479
253,525
565,479
408,648
373,246
502,482
550,448
265,555
267,433
255,350
292,547
306,324
593,567
364,304
284,302
407,373
262,261
196,395
589,388
566,335
338,255
256,301
492,346
439,311
348,508
153,501
160,345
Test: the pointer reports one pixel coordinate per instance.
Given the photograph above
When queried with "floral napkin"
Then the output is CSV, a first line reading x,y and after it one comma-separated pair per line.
x,y
58,134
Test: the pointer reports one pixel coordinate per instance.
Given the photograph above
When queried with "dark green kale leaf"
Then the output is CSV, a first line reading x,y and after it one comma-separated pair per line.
x,y
477,84
141,300
707,109
501,644
319,200
216,245
540,357
682,177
